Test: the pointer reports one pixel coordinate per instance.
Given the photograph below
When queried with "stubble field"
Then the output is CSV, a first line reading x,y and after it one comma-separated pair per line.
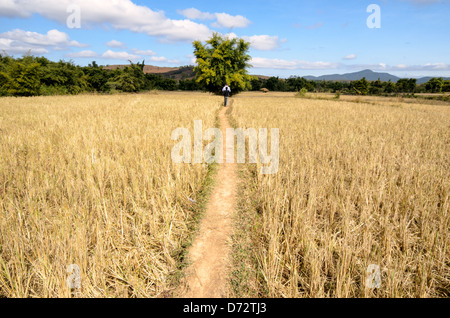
x,y
359,184
89,180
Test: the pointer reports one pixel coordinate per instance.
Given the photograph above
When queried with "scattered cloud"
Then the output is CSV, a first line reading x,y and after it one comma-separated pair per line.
x,y
260,42
223,20
264,42
83,54
425,67
148,55
350,57
373,67
143,52
10,47
139,18
192,59
118,14
19,41
116,44
156,59
195,14
281,64
400,67
119,56
261,62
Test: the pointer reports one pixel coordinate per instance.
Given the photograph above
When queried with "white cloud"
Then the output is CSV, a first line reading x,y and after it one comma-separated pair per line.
x,y
373,67
261,62
150,56
19,41
425,67
282,64
120,56
192,59
437,66
119,14
52,38
10,47
263,42
400,67
143,52
305,65
260,42
223,20
116,44
195,14
12,9
162,59
156,59
83,54
350,57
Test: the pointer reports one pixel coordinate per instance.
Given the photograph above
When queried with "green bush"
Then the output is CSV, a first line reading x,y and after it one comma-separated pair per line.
x,y
302,92
52,90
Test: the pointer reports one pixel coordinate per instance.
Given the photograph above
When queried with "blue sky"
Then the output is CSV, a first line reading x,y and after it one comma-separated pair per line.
x,y
287,37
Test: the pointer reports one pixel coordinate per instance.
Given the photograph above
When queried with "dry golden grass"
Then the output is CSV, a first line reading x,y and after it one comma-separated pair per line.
x,y
358,184
88,180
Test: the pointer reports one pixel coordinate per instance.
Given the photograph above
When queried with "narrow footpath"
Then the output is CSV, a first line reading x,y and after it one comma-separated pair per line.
x,y
209,255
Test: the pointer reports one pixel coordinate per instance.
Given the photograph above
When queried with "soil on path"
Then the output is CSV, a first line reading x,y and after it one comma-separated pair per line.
x,y
207,274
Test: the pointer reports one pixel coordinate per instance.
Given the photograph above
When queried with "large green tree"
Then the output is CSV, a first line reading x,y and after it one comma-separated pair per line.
x,y
131,79
405,85
21,78
434,85
360,87
222,61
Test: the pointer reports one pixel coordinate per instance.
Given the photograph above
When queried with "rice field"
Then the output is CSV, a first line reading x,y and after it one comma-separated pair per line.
x,y
88,180
359,184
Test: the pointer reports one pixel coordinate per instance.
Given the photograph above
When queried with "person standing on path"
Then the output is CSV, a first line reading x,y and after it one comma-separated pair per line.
x,y
226,90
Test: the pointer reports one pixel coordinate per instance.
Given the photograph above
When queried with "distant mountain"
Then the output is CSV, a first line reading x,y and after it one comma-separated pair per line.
x,y
187,72
426,79
368,74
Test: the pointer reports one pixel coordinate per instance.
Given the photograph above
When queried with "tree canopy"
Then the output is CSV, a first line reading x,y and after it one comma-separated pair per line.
x,y
222,61
30,76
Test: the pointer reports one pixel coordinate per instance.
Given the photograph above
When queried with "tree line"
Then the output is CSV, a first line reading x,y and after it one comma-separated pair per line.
x,y
358,87
31,76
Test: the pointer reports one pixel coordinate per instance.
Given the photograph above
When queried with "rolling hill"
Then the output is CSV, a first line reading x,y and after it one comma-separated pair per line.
x,y
187,72
368,74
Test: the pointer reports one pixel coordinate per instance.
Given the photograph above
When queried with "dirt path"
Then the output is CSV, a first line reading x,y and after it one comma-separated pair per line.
x,y
207,274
